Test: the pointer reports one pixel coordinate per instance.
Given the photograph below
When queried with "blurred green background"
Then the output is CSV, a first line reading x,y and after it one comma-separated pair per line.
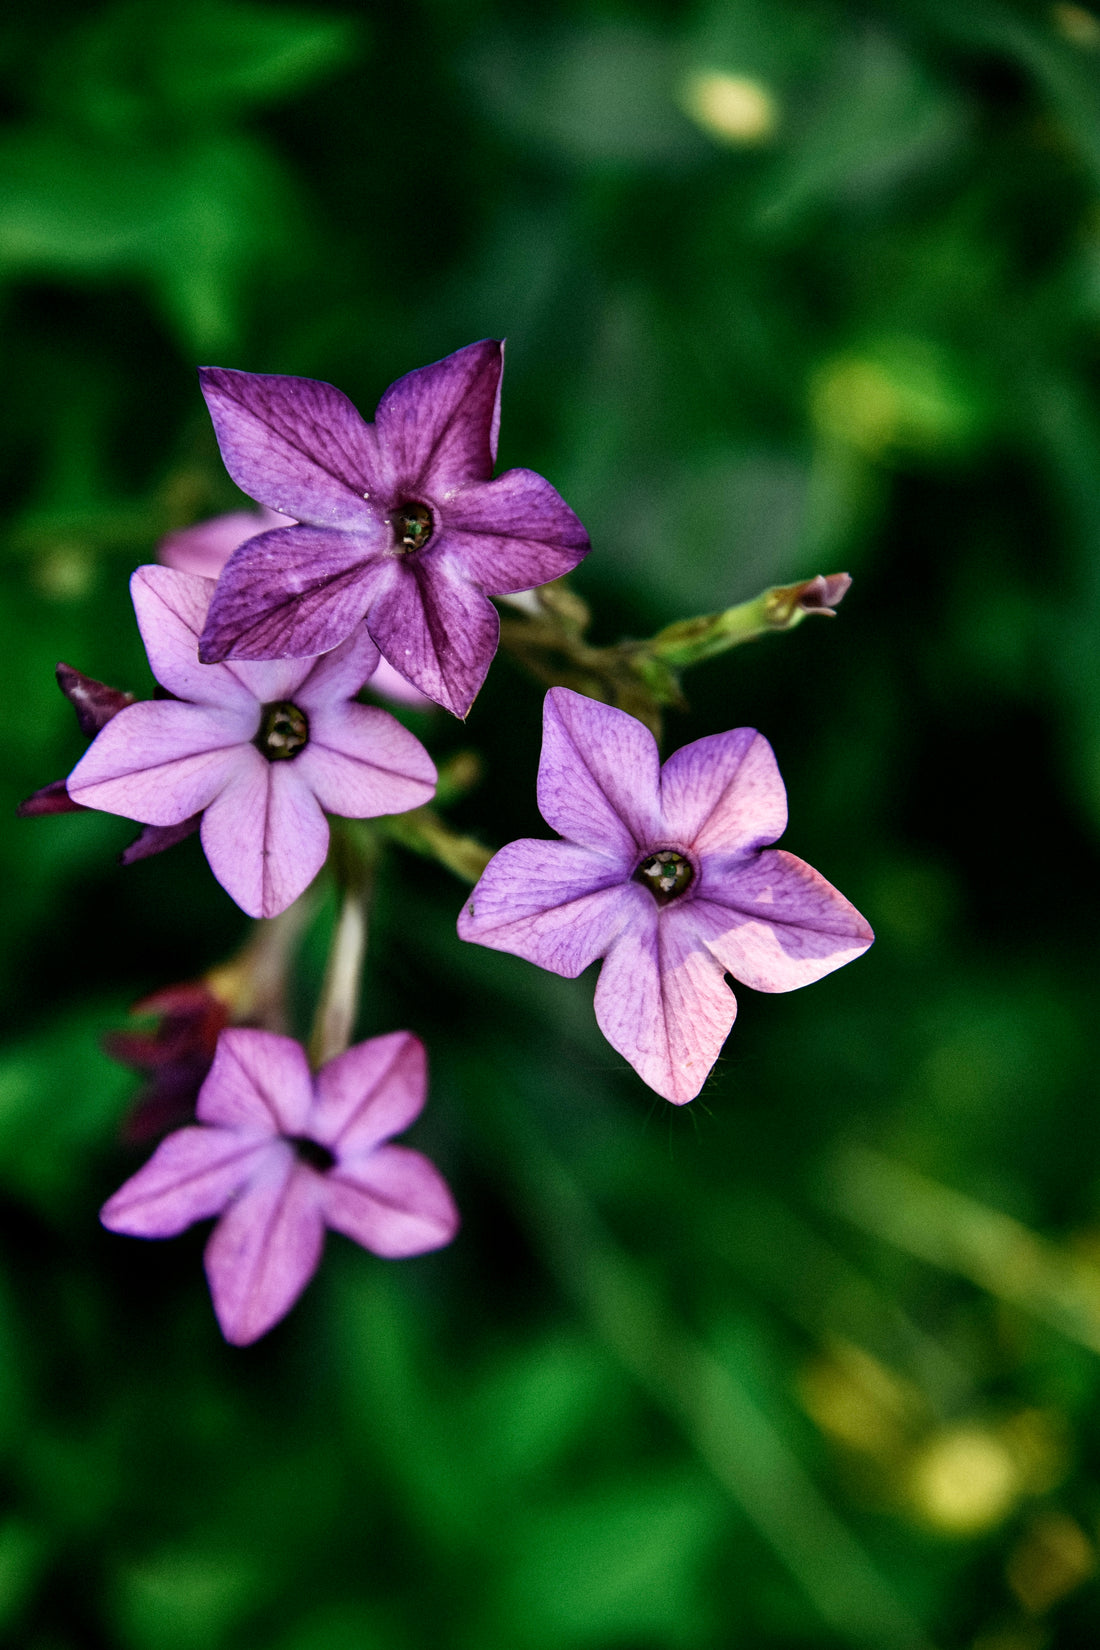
x,y
788,288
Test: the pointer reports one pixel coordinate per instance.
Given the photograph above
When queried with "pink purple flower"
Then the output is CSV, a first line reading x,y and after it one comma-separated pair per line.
x,y
261,751
667,874
400,523
279,1154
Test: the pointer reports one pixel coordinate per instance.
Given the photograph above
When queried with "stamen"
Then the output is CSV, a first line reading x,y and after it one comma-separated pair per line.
x,y
312,1153
283,732
412,526
667,874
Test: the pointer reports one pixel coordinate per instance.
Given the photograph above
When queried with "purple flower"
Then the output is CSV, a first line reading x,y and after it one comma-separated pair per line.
x,y
666,874
401,524
261,751
280,1154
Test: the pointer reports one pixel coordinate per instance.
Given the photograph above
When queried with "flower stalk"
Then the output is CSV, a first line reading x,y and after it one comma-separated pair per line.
x,y
354,861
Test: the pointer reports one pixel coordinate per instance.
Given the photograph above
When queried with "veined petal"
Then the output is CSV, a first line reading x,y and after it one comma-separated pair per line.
x,y
438,631
171,609
360,762
293,593
370,1092
259,1080
295,444
599,777
556,904
191,1175
161,761
775,923
437,426
265,836
512,533
265,1249
661,1000
392,1201
724,793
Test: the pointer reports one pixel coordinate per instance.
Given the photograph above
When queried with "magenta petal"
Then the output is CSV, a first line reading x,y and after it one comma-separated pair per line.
x,y
265,1249
191,1175
438,631
293,593
265,835
556,904
661,1000
154,839
724,793
161,761
393,1201
512,533
51,799
360,762
171,610
372,1091
438,425
775,923
259,1080
295,444
599,777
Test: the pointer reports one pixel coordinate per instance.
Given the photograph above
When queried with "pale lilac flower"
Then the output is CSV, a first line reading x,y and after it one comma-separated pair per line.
x,y
279,1154
666,874
400,521
261,751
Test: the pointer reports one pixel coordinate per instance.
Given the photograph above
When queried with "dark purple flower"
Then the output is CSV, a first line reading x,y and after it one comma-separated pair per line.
x,y
400,521
95,704
666,874
174,1056
279,1154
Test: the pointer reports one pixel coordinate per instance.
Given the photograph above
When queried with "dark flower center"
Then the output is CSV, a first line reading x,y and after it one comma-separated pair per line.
x,y
412,526
666,874
284,731
312,1153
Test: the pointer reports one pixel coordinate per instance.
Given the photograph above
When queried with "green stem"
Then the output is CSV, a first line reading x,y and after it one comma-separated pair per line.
x,y
353,862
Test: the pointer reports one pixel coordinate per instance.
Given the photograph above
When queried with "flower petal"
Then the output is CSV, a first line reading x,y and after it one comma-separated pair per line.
x,y
437,426
259,1080
265,1249
724,793
265,836
337,675
370,1092
556,904
438,631
171,610
154,839
775,923
393,1201
191,1175
360,762
207,546
662,1001
161,761
599,777
294,444
512,533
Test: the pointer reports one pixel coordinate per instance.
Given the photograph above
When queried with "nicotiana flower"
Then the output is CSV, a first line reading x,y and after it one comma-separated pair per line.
x,y
260,751
279,1154
400,521
666,873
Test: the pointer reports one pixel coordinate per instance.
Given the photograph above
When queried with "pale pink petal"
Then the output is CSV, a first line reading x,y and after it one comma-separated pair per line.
x,y
512,533
339,674
390,684
171,610
439,632
775,923
265,836
599,776
161,761
437,426
372,1091
259,1080
191,1175
556,904
723,793
207,546
392,1201
662,1002
265,1249
360,762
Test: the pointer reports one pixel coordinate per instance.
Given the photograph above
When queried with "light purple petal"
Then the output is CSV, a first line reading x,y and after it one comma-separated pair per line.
x,y
191,1175
661,1000
775,923
438,631
205,548
295,444
437,426
154,839
724,793
599,777
393,1201
171,610
556,904
360,762
259,1081
372,1091
294,593
265,1249
390,684
265,835
512,533
337,675
162,761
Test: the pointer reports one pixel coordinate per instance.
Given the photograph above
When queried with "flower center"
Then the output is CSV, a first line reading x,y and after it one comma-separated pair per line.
x,y
412,526
284,731
666,874
311,1152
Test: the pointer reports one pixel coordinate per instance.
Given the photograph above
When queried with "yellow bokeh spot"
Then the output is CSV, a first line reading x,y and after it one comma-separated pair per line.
x,y
1076,24
730,107
964,1480
855,401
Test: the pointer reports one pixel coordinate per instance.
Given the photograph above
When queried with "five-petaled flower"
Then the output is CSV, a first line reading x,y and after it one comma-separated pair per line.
x,y
261,751
400,523
280,1154
667,874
